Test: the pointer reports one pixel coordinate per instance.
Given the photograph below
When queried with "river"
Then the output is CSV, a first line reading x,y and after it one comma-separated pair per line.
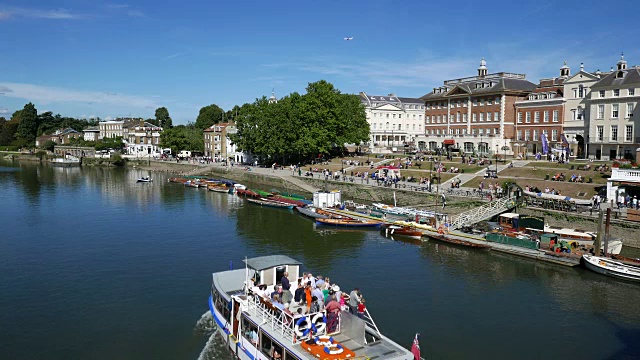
x,y
95,265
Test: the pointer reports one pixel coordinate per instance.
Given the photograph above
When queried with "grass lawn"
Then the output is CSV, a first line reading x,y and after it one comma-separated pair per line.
x,y
565,188
555,165
425,173
526,172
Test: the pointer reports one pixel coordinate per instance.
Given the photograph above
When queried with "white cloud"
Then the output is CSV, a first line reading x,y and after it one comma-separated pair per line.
x,y
4,111
50,95
57,14
175,55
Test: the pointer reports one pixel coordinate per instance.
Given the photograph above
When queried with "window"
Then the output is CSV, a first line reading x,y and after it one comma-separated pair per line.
x,y
546,116
482,102
601,92
614,111
536,117
464,104
519,118
394,116
574,114
481,117
464,117
628,133
535,134
427,119
600,112
555,115
473,131
473,117
600,132
458,116
399,126
497,100
250,331
481,132
496,131
374,126
528,118
554,135
629,110
614,132
399,116
475,102
527,134
457,131
488,116
496,116
387,126
580,113
489,102
387,116
438,117
451,118
616,92
437,131
632,92
420,117
581,91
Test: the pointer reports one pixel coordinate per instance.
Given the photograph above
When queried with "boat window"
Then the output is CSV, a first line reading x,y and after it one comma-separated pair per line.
x,y
222,305
280,270
265,344
289,356
249,331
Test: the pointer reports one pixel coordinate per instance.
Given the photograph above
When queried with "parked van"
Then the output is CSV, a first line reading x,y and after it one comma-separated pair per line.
x,y
184,154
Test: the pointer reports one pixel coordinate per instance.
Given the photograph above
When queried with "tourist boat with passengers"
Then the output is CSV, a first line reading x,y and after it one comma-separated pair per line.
x,y
253,328
611,268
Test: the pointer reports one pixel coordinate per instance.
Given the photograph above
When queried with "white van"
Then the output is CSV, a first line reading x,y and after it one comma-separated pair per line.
x,y
184,154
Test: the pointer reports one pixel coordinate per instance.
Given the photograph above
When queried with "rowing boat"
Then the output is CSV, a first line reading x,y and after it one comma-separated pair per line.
x,y
274,204
397,230
611,268
348,222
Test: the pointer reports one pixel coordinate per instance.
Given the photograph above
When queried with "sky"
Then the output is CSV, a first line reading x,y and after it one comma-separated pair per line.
x,y
87,58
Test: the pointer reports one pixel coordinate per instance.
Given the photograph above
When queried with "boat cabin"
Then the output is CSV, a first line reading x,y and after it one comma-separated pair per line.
x,y
509,221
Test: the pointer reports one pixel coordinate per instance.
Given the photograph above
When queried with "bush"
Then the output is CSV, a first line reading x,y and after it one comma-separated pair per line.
x,y
117,159
41,154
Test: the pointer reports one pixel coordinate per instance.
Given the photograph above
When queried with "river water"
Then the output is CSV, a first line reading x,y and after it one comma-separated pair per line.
x,y
94,265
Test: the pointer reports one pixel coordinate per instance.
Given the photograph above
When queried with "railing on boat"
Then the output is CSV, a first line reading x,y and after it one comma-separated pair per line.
x,y
369,320
483,212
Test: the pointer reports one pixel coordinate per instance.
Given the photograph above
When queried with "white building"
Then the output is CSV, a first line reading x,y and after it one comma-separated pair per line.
x,y
111,129
393,121
92,133
142,138
577,111
614,117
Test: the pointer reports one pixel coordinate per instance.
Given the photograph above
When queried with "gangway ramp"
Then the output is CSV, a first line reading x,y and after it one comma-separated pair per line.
x,y
483,212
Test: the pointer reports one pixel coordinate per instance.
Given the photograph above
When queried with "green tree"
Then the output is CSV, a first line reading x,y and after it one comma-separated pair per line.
x,y
181,138
209,115
114,143
162,118
28,128
49,145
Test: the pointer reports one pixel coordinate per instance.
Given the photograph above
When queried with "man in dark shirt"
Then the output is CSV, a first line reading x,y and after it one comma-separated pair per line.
x,y
285,281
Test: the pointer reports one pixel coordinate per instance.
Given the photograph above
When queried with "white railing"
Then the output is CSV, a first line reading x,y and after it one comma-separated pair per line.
x,y
484,212
625,174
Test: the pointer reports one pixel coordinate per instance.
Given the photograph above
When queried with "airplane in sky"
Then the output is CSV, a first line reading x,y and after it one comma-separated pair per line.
x,y
348,38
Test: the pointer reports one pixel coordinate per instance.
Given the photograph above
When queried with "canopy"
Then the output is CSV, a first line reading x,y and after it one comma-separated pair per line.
x,y
449,142
271,261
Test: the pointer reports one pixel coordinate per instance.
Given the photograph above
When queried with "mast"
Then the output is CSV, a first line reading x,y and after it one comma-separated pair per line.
x,y
606,232
598,242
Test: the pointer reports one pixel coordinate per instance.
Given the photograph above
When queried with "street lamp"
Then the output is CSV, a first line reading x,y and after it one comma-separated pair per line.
x,y
496,158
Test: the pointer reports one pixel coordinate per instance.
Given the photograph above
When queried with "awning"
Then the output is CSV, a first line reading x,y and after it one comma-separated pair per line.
x,y
449,142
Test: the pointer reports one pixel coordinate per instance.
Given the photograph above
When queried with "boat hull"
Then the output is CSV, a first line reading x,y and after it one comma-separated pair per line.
x,y
393,230
270,204
347,223
310,212
611,268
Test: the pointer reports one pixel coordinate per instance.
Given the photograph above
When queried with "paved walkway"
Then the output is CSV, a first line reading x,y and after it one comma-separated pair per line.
x,y
468,176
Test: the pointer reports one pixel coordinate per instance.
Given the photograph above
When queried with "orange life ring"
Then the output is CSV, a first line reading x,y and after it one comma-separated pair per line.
x,y
440,230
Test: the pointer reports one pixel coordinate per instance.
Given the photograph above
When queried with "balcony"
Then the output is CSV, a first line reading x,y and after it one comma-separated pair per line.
x,y
632,175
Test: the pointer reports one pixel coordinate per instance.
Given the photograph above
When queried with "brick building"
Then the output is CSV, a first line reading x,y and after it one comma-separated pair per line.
x,y
540,114
216,143
475,114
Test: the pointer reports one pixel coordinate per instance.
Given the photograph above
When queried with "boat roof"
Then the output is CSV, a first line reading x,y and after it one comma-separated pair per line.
x,y
510,215
270,261
230,282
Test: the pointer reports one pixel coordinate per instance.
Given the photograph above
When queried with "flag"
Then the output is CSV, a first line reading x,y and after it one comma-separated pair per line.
x,y
415,348
545,143
564,140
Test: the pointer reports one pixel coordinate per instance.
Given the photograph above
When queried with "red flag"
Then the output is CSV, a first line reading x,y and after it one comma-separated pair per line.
x,y
415,348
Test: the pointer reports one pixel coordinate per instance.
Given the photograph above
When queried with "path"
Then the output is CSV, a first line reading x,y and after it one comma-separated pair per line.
x,y
467,177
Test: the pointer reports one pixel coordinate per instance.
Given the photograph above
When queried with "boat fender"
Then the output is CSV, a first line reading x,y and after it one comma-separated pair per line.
x,y
440,230
320,323
300,330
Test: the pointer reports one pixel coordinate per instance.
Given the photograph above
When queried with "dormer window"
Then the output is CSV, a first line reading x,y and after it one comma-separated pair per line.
x,y
619,75
490,84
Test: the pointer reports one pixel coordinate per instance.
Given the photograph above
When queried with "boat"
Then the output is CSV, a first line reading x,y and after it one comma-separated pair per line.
x,y
66,161
256,329
145,179
348,222
311,212
263,202
221,188
400,230
192,183
238,187
451,240
611,268
626,260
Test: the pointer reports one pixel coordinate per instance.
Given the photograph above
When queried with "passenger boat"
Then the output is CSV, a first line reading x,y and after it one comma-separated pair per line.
x,y
145,179
400,230
311,212
263,202
253,328
611,268
348,222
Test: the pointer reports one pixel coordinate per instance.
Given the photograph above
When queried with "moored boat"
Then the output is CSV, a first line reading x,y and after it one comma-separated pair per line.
x,y
262,329
399,230
311,212
263,202
611,268
348,222
221,188
145,179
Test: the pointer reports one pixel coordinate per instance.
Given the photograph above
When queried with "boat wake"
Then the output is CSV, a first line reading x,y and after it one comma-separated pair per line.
x,y
215,348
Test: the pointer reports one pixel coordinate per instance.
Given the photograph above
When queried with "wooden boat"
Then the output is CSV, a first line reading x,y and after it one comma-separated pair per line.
x,y
611,268
398,230
191,183
247,193
348,222
218,188
311,212
274,204
331,215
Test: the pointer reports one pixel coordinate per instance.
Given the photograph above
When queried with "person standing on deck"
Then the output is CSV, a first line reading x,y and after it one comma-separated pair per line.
x,y
354,300
286,288
307,293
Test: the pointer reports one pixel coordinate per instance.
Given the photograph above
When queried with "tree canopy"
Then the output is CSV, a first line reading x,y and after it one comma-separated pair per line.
x,y
209,115
28,127
319,121
162,118
182,137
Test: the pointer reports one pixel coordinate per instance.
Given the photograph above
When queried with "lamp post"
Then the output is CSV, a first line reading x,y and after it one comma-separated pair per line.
x,y
496,158
504,153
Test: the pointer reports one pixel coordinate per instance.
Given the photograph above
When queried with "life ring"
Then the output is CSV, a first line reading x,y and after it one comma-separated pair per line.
x,y
324,340
334,349
319,323
300,330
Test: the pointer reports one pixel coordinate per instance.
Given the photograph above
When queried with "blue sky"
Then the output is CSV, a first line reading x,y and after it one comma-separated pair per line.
x,y
109,59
